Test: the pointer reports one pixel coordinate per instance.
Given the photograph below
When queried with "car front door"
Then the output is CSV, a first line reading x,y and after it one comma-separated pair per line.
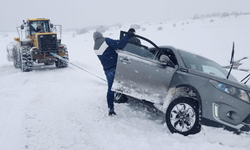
x,y
141,75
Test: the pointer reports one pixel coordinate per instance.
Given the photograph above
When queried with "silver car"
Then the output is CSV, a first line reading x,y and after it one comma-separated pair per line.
x,y
190,89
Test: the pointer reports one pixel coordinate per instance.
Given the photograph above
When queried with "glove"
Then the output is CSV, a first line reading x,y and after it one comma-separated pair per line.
x,y
130,34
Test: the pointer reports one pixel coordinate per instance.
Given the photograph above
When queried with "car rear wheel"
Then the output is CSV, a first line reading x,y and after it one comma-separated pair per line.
x,y
120,98
182,116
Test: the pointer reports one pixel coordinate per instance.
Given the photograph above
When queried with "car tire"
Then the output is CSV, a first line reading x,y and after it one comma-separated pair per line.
x,y
120,98
182,116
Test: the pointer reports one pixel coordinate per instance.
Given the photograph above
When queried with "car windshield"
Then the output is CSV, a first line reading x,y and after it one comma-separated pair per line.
x,y
39,26
205,65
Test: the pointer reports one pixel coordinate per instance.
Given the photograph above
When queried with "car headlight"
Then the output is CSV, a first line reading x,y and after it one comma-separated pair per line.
x,y
236,92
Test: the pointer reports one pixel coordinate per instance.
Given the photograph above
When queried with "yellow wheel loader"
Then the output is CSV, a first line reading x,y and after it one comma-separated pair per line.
x,y
37,39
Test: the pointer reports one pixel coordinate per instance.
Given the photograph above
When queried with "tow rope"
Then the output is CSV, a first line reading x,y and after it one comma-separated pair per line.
x,y
65,60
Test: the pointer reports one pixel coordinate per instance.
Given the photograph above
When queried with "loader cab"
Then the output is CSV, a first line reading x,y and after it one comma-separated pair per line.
x,y
38,26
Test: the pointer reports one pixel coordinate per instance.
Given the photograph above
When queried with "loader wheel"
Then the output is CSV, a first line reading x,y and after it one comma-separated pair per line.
x,y
62,64
26,59
16,60
182,116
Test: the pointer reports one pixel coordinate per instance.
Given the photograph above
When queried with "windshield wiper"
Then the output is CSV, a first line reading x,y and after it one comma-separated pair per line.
x,y
245,79
231,61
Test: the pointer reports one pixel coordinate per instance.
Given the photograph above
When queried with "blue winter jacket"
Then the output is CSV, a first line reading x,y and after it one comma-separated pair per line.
x,y
107,51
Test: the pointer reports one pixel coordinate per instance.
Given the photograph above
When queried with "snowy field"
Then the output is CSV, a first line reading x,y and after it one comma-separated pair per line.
x,y
65,109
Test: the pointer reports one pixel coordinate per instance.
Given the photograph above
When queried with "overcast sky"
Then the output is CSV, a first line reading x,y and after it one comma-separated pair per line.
x,y
84,13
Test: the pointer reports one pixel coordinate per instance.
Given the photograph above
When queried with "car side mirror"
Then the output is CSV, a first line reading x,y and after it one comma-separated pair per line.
x,y
165,59
22,27
51,25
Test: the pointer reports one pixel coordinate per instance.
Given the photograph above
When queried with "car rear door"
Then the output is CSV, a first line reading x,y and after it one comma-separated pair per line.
x,y
139,74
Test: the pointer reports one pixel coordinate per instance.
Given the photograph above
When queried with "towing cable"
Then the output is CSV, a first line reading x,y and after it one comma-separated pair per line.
x,y
65,60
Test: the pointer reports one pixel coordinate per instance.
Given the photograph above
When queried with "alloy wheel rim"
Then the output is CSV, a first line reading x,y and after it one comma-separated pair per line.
x,y
117,96
182,117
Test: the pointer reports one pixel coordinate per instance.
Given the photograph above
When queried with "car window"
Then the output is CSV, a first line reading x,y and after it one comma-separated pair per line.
x,y
212,70
203,64
139,50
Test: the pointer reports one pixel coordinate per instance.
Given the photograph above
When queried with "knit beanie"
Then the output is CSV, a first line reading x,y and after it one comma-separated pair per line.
x,y
131,30
99,39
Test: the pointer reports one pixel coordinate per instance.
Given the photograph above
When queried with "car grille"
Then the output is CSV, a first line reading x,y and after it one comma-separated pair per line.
x,y
47,42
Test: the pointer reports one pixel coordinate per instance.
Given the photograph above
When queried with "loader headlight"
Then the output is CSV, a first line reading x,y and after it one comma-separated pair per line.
x,y
233,91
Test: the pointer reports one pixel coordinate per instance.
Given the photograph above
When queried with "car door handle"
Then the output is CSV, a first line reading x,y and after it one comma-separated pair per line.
x,y
125,60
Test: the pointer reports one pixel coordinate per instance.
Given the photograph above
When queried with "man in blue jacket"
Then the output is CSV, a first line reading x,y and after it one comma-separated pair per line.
x,y
105,49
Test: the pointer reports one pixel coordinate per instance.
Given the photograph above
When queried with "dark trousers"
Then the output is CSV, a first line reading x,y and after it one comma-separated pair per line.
x,y
110,75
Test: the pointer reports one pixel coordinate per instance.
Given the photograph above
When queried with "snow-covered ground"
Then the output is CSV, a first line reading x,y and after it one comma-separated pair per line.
x,y
53,109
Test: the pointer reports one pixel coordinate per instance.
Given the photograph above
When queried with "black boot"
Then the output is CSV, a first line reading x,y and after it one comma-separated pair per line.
x,y
111,112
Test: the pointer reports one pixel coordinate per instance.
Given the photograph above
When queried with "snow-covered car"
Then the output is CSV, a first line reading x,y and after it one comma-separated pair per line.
x,y
190,89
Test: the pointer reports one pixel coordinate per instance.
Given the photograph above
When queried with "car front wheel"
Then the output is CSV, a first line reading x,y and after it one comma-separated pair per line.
x,y
182,116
